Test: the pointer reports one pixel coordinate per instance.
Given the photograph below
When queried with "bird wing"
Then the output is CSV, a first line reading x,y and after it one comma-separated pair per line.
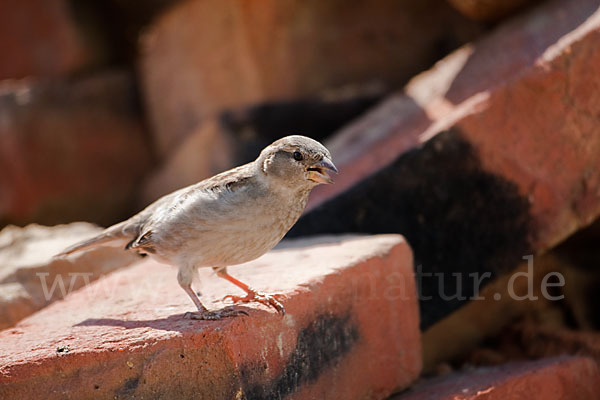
x,y
167,208
138,231
230,180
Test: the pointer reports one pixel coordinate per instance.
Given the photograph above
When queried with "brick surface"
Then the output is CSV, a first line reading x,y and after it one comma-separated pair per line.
x,y
470,89
489,10
529,339
42,38
547,379
28,271
205,56
497,147
70,150
351,331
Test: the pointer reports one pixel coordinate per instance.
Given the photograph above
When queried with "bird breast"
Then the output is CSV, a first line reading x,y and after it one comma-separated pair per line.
x,y
230,229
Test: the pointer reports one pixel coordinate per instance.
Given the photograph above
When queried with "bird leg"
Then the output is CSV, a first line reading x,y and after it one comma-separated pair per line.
x,y
251,294
190,292
203,312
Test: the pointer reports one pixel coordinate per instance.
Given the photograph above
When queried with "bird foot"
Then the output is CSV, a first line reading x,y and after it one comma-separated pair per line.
x,y
214,315
271,300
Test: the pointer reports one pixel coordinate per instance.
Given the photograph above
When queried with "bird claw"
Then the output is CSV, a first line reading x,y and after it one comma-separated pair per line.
x,y
271,300
214,315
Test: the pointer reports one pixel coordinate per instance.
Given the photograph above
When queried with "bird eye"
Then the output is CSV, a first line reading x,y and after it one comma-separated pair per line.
x,y
298,156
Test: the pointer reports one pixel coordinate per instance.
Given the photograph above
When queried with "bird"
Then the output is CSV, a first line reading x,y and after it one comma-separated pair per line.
x,y
231,218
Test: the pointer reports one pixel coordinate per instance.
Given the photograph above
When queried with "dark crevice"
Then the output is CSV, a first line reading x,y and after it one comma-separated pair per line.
x,y
457,217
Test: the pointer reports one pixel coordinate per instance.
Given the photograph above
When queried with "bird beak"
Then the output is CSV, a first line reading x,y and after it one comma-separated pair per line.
x,y
318,172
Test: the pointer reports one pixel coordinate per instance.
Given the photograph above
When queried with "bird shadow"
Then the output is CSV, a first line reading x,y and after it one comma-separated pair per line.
x,y
173,323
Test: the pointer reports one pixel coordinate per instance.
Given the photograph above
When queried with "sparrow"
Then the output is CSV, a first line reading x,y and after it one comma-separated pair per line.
x,y
228,219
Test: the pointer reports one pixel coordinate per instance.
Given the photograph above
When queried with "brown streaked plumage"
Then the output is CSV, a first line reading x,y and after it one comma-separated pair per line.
x,y
229,219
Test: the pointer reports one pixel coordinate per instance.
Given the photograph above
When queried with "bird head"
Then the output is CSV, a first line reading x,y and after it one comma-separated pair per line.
x,y
297,161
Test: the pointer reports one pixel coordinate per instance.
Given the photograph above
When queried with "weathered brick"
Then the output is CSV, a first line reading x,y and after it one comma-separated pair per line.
x,y
42,38
205,56
70,150
350,331
547,379
498,148
28,271
489,10
531,340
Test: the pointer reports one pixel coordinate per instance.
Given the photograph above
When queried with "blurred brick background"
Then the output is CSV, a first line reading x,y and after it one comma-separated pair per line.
x,y
105,106
470,127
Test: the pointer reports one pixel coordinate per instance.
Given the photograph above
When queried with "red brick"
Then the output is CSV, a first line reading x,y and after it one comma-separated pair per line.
x,y
532,340
27,252
205,56
42,38
351,331
70,150
489,10
546,379
530,114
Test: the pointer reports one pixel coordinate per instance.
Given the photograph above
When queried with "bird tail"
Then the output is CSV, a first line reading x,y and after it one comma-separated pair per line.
x,y
116,235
